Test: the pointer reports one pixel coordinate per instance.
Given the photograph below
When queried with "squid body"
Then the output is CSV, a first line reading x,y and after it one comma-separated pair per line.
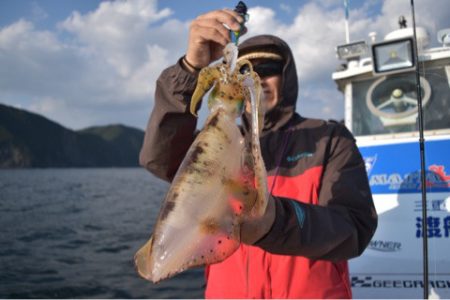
x,y
221,182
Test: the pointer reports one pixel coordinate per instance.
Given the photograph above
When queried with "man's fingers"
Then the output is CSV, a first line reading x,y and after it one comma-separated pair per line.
x,y
237,16
209,33
210,29
224,16
253,230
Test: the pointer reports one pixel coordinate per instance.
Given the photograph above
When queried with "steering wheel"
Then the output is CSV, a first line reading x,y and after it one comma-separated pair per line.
x,y
396,97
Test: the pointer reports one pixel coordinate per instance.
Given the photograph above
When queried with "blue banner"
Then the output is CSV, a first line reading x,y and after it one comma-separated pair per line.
x,y
395,168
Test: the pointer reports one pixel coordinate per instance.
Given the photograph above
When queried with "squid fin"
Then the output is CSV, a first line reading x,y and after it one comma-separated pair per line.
x,y
142,260
206,79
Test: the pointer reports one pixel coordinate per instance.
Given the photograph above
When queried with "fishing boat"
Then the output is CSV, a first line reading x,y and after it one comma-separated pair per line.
x,y
378,79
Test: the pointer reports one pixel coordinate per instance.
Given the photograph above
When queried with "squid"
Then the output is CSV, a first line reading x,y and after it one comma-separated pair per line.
x,y
221,182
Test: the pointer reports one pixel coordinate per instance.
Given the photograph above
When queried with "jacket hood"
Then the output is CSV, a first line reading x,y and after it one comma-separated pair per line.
x,y
285,108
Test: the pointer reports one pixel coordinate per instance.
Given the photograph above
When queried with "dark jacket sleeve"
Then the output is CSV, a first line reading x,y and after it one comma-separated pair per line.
x,y
170,130
343,223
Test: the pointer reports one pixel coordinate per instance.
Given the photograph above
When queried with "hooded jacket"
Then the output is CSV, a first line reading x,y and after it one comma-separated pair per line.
x,y
324,209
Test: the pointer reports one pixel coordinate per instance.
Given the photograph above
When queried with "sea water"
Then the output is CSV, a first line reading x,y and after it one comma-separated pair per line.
x,y
72,233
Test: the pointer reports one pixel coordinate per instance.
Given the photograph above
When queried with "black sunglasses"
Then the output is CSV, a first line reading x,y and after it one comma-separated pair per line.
x,y
269,68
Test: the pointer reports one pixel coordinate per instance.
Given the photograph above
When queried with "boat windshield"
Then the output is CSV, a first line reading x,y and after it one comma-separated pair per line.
x,y
388,104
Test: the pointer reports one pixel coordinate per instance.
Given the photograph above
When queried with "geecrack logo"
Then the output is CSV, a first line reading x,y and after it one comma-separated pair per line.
x,y
362,281
397,283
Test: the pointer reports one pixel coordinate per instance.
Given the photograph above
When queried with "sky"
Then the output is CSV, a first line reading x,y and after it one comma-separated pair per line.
x,y
85,63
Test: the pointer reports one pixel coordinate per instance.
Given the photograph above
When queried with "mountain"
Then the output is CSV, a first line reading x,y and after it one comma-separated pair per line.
x,y
29,140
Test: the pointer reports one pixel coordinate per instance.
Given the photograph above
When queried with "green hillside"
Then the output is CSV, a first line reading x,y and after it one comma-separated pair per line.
x,y
29,140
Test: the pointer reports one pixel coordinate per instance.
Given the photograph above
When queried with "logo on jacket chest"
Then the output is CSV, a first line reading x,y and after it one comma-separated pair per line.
x,y
298,156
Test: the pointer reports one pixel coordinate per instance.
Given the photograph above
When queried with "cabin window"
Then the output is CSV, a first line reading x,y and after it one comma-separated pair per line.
x,y
388,104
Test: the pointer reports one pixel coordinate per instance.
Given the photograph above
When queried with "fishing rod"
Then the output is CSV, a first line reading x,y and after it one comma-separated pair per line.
x,y
422,161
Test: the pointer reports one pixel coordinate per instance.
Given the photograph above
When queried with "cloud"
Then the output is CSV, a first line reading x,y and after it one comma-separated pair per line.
x,y
31,59
105,61
119,30
101,67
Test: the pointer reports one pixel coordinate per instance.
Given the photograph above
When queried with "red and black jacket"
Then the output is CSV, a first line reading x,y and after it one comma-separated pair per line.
x,y
324,209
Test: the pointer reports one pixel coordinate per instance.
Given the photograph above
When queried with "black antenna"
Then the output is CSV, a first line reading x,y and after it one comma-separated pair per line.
x,y
422,162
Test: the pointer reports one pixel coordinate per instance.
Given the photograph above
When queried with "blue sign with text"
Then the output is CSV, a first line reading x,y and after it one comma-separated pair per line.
x,y
395,168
